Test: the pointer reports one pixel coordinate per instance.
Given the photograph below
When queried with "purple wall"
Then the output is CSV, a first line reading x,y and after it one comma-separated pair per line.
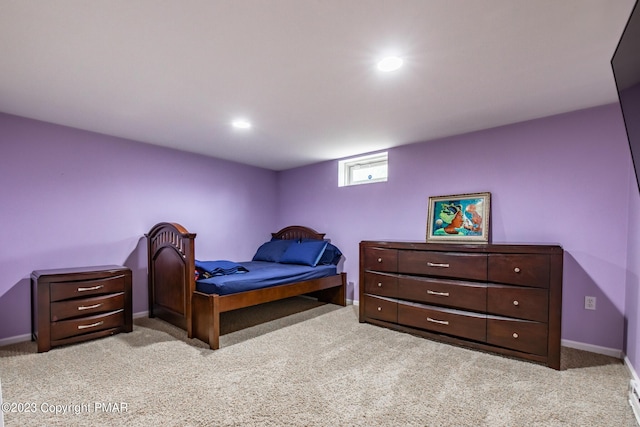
x,y
72,198
563,179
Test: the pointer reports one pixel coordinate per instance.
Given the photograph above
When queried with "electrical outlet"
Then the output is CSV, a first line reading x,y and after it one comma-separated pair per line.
x,y
590,303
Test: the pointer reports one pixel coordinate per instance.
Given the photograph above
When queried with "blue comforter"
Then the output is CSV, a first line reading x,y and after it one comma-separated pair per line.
x,y
262,274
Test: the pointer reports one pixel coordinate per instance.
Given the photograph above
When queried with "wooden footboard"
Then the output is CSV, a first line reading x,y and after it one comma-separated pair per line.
x,y
172,293
171,274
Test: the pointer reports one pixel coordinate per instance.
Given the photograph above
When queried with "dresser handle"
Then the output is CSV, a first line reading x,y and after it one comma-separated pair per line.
x,y
379,259
433,264
516,302
379,308
379,284
93,325
515,335
440,294
440,322
517,269
89,307
93,288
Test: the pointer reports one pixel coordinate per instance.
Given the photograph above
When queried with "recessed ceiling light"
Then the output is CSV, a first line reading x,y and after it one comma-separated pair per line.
x,y
390,63
241,124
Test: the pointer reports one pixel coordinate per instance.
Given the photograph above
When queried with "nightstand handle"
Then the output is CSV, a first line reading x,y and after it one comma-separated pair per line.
x,y
434,264
89,307
441,322
93,288
93,325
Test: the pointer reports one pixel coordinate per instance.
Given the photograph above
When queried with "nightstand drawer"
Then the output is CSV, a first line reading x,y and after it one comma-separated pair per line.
x,y
521,335
453,293
381,308
385,285
525,270
84,325
86,306
519,302
83,288
443,264
451,322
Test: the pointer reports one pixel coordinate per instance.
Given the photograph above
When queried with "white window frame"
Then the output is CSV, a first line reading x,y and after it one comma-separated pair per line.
x,y
347,166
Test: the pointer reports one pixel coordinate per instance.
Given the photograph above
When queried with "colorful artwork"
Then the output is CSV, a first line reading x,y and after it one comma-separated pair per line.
x,y
462,217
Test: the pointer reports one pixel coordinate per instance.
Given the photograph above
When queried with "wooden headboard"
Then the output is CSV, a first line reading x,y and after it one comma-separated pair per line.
x,y
294,232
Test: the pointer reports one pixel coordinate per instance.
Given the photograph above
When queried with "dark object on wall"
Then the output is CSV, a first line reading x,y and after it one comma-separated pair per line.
x,y
626,71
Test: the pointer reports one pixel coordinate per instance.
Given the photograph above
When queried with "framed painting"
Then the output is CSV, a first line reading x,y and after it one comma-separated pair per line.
x,y
459,218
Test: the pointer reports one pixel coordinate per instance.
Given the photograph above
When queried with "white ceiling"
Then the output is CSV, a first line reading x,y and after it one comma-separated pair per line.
x,y
175,73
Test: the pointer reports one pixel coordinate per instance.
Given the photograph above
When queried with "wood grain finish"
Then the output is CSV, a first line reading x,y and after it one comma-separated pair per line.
x,y
86,306
498,297
381,308
78,304
382,284
459,323
443,264
451,293
525,270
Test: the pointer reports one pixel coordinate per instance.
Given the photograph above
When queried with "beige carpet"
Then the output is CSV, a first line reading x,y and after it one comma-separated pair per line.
x,y
317,367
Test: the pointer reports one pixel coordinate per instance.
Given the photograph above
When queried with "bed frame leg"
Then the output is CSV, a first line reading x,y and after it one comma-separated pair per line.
x,y
214,322
337,295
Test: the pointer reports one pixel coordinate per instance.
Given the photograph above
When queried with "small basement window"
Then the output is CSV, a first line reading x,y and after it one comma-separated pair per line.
x,y
363,169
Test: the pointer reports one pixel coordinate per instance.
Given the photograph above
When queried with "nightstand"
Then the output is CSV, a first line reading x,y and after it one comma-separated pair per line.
x,y
71,305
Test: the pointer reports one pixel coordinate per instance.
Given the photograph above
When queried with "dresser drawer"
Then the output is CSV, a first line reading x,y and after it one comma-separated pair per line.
x,y
86,306
519,302
381,308
385,285
451,322
453,293
76,289
521,335
525,270
443,264
379,259
74,327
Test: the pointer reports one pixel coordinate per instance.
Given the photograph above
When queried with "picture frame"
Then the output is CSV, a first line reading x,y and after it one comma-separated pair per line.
x,y
459,218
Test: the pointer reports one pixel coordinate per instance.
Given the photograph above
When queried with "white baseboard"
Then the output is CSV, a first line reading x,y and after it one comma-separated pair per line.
x,y
593,348
632,371
140,314
634,394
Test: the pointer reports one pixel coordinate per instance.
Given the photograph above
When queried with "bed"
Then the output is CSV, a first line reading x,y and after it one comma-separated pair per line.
x,y
175,295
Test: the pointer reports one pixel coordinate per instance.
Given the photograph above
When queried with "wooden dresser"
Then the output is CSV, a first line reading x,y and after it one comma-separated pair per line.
x,y
79,304
495,297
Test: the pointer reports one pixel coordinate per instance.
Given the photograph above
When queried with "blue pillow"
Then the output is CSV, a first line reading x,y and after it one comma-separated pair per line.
x,y
330,256
272,251
305,253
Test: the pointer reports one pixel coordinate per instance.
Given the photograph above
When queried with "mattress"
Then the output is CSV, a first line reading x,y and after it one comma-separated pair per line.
x,y
263,274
